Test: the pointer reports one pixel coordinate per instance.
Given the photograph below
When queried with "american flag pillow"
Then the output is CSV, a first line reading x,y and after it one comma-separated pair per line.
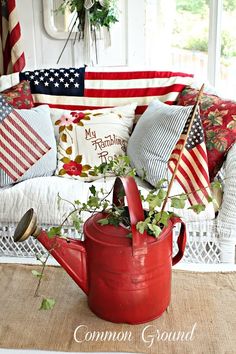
x,y
20,145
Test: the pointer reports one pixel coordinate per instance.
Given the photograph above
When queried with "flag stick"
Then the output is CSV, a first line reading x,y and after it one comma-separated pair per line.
x,y
182,149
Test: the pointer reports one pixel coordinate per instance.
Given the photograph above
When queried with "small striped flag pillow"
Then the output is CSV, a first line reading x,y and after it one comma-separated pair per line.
x,y
20,145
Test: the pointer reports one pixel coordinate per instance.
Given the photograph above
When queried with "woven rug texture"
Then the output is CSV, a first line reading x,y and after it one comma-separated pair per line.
x,y
200,319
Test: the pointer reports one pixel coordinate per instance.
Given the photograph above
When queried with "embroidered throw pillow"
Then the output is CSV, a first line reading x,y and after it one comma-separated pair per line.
x,y
154,138
89,138
219,123
27,143
19,96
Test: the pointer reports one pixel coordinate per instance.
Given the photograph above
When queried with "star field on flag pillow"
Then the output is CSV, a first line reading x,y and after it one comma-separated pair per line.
x,y
20,145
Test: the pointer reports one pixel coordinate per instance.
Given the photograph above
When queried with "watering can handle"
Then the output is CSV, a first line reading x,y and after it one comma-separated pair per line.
x,y
128,184
181,240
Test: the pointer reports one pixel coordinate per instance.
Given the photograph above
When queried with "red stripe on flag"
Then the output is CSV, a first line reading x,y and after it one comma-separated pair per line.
x,y
3,167
13,167
19,64
20,141
15,34
201,151
11,4
200,185
33,132
16,62
191,188
128,75
16,148
133,92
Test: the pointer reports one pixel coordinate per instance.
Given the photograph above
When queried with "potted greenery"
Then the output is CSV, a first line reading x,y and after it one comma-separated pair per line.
x,y
124,247
124,264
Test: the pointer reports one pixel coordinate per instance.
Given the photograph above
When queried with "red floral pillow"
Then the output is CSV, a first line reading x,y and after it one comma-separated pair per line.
x,y
219,123
19,96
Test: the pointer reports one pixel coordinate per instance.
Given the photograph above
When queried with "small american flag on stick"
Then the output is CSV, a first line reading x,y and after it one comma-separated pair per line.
x,y
20,145
188,161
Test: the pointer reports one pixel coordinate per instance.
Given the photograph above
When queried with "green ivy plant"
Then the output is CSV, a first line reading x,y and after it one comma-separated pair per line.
x,y
155,217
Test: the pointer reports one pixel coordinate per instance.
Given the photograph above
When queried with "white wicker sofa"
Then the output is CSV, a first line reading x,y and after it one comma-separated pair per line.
x,y
211,237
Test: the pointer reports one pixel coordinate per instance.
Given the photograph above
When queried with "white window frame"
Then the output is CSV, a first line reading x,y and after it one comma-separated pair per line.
x,y
214,41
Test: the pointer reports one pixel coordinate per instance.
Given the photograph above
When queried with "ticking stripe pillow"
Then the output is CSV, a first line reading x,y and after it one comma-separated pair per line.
x,y
155,137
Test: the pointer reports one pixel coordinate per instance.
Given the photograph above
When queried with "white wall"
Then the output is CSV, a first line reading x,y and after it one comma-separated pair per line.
x,y
41,50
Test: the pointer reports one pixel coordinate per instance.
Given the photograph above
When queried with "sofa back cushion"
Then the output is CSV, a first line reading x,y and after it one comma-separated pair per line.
x,y
219,122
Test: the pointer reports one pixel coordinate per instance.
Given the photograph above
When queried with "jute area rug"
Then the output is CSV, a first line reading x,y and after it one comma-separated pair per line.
x,y
200,319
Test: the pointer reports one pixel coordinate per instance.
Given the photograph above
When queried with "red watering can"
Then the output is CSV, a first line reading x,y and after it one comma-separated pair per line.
x,y
126,280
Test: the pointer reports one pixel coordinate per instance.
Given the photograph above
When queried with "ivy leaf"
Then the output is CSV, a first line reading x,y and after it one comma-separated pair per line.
x,y
161,183
155,229
177,203
54,231
141,226
93,202
198,208
216,185
104,221
36,273
154,201
77,221
47,304
164,217
92,190
161,194
209,199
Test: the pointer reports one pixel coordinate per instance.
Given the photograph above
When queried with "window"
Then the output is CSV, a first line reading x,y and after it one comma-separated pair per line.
x,y
204,42
195,36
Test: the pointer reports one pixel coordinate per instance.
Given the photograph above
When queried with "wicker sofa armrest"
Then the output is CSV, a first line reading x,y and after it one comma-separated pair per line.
x,y
226,220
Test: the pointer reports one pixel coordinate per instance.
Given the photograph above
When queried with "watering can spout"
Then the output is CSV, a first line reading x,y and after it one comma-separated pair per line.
x,y
69,253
